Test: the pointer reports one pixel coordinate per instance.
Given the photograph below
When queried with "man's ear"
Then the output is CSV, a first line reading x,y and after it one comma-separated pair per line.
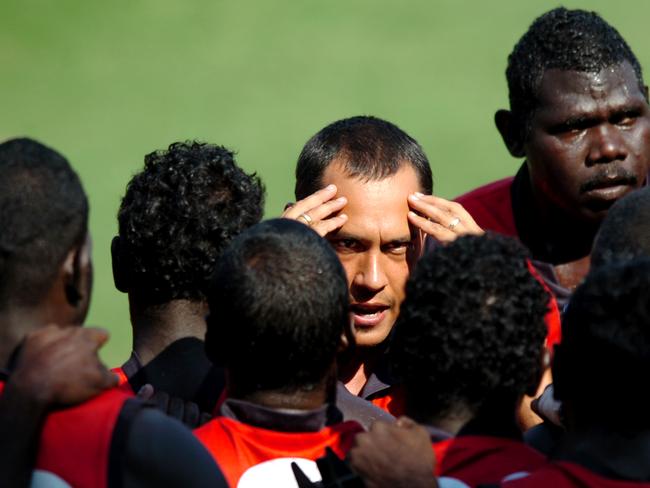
x,y
120,267
510,133
78,276
645,91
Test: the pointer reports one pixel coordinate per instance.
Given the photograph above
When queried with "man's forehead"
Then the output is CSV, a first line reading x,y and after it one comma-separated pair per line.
x,y
375,207
405,179
569,89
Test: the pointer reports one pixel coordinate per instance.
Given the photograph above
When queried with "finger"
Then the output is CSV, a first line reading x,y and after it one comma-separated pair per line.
x,y
161,400
146,392
311,202
435,230
191,414
97,335
176,407
328,226
442,203
205,418
431,211
112,380
379,426
326,209
405,422
107,379
444,212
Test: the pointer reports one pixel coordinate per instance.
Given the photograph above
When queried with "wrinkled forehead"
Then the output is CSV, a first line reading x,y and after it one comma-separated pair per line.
x,y
377,207
567,89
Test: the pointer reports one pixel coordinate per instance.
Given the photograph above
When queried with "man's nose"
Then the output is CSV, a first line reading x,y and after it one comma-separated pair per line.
x,y
606,145
370,274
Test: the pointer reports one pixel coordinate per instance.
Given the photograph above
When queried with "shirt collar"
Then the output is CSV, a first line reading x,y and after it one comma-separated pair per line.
x,y
284,420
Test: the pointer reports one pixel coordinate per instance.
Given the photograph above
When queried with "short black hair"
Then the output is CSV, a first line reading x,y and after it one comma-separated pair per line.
x,y
369,148
43,214
625,232
573,40
178,215
606,348
471,329
278,307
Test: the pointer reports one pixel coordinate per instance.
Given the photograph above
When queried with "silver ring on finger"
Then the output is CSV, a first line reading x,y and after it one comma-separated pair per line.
x,y
305,216
454,222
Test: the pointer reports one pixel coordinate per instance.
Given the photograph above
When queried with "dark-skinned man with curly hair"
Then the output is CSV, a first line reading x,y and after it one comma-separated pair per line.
x,y
105,438
468,346
579,115
176,218
605,348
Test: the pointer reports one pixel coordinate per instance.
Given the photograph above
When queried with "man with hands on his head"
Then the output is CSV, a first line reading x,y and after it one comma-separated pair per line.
x,y
365,185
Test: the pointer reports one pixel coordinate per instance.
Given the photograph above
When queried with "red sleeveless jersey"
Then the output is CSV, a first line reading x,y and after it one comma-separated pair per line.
x,y
240,448
491,206
484,460
569,475
75,442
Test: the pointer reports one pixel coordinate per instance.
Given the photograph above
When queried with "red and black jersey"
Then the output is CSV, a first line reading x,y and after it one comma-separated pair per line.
x,y
491,206
239,448
77,444
391,400
478,460
564,474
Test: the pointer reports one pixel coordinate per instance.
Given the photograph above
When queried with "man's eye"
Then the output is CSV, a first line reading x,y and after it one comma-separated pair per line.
x,y
399,247
346,245
625,119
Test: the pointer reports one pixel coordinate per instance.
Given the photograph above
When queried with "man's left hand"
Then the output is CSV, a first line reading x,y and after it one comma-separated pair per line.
x,y
442,219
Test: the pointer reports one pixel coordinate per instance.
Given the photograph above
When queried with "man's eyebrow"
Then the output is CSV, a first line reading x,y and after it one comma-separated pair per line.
x,y
346,235
401,240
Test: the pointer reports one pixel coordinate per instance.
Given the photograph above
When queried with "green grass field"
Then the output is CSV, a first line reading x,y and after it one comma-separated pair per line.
x,y
106,83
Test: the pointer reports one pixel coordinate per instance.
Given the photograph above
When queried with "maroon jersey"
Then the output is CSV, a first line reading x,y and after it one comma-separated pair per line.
x,y
478,460
491,207
564,474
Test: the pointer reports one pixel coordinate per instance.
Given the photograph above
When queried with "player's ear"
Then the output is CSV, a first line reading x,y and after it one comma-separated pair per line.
x,y
120,267
78,276
511,133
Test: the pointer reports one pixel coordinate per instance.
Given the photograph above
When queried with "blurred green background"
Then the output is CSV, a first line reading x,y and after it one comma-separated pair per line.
x,y
106,83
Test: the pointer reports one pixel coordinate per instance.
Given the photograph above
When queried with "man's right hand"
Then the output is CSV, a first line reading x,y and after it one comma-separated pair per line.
x,y
60,366
394,455
317,211
185,411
